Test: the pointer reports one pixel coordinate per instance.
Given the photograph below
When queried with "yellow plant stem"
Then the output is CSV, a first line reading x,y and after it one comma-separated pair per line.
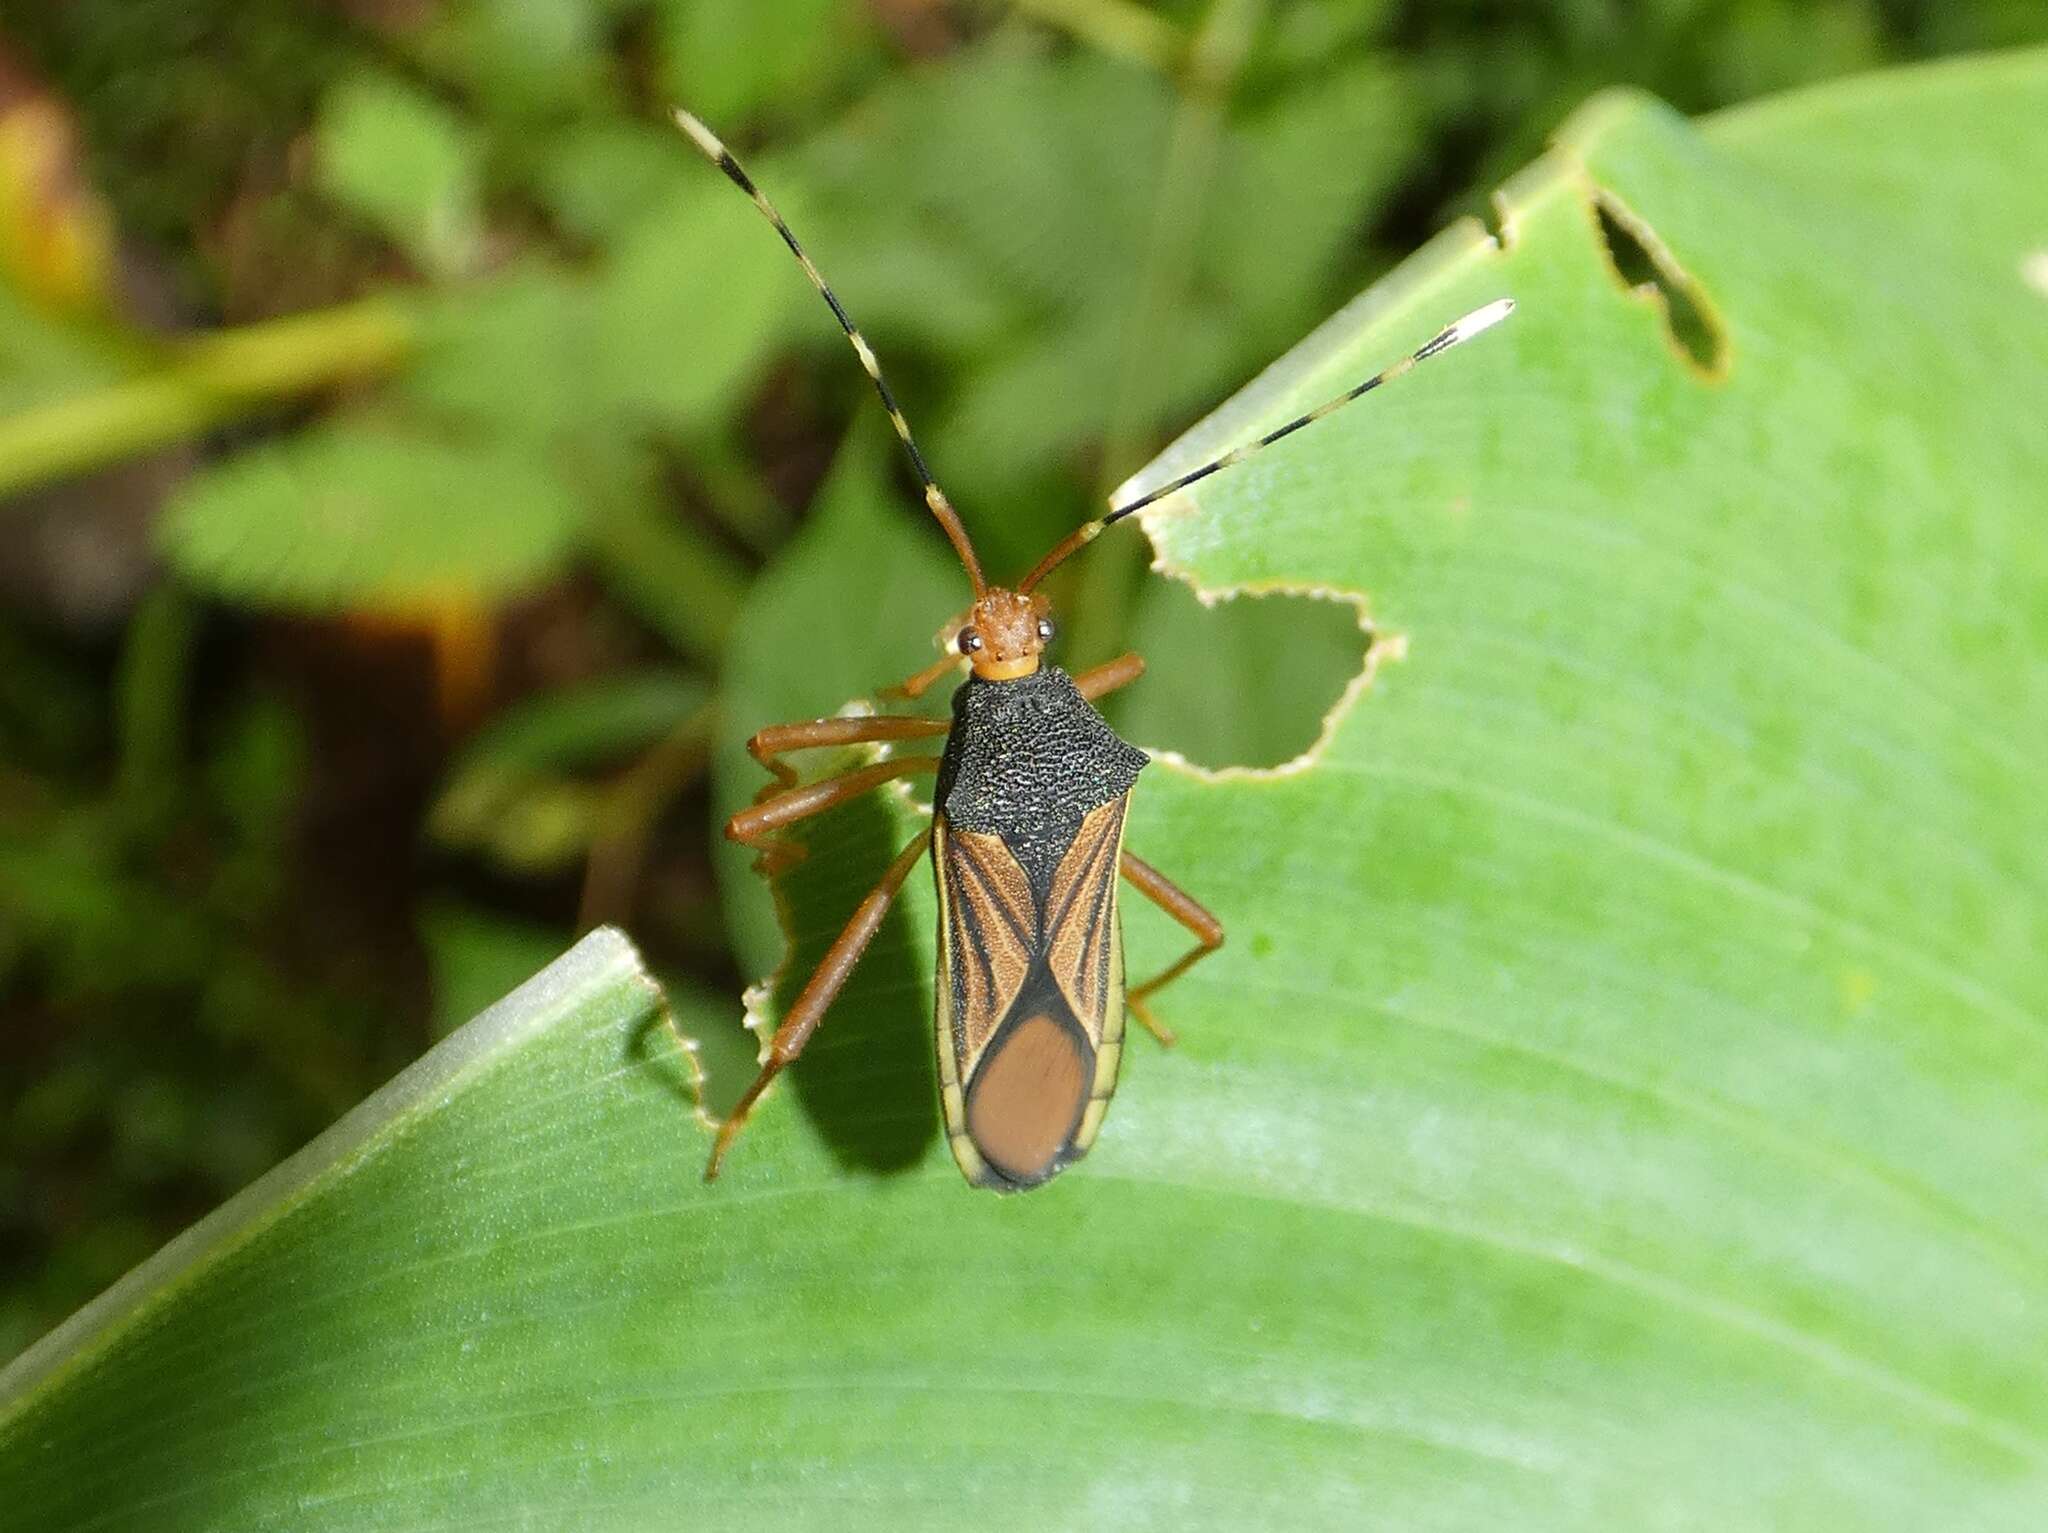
x,y
201,384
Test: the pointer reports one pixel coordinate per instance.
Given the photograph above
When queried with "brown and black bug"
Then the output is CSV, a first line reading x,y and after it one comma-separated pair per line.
x,y
1027,836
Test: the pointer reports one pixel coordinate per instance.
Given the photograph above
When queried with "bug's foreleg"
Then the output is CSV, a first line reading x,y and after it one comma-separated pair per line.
x,y
1098,681
914,687
803,1017
1184,908
756,827
778,740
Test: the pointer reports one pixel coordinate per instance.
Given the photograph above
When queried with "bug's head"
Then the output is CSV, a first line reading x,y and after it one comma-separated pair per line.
x,y
1005,633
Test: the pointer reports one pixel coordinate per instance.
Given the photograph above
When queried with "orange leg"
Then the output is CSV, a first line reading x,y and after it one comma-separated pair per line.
x,y
803,1017
755,827
1110,675
914,687
777,740
1181,905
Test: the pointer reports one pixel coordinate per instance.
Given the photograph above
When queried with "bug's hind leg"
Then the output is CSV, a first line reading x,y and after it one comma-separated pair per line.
x,y
803,1017
756,827
1183,907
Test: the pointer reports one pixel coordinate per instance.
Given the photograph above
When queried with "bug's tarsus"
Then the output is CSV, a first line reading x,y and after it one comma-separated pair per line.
x,y
1459,330
715,151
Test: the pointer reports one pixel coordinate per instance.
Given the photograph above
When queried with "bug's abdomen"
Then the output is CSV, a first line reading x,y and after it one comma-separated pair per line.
x,y
1030,997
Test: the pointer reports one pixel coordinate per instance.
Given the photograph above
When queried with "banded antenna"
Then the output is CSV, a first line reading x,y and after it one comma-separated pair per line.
x,y
1461,330
934,497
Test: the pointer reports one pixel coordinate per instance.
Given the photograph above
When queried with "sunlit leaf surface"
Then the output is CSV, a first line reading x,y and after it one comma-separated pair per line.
x,y
1623,1100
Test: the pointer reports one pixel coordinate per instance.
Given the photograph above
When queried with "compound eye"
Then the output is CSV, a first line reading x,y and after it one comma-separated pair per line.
x,y
1045,630
968,642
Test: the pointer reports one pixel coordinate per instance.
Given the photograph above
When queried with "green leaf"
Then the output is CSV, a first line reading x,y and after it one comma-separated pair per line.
x,y
1665,986
405,163
515,791
1621,1102
680,582
690,302
353,516
725,62
599,178
585,725
1246,682
522,58
510,357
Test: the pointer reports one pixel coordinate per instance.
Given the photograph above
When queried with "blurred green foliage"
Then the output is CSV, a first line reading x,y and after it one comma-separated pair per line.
x,y
430,602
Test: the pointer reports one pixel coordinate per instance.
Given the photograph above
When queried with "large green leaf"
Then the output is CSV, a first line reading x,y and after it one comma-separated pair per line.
x,y
359,514
1623,1100
520,791
406,164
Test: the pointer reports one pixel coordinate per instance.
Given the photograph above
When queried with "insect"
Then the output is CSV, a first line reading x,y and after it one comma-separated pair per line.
x,y
1026,837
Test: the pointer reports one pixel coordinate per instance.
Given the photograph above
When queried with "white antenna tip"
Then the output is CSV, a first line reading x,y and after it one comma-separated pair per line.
x,y
700,135
1480,320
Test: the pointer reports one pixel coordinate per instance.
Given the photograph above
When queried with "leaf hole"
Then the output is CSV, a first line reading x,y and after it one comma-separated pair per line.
x,y
1246,681
1648,270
